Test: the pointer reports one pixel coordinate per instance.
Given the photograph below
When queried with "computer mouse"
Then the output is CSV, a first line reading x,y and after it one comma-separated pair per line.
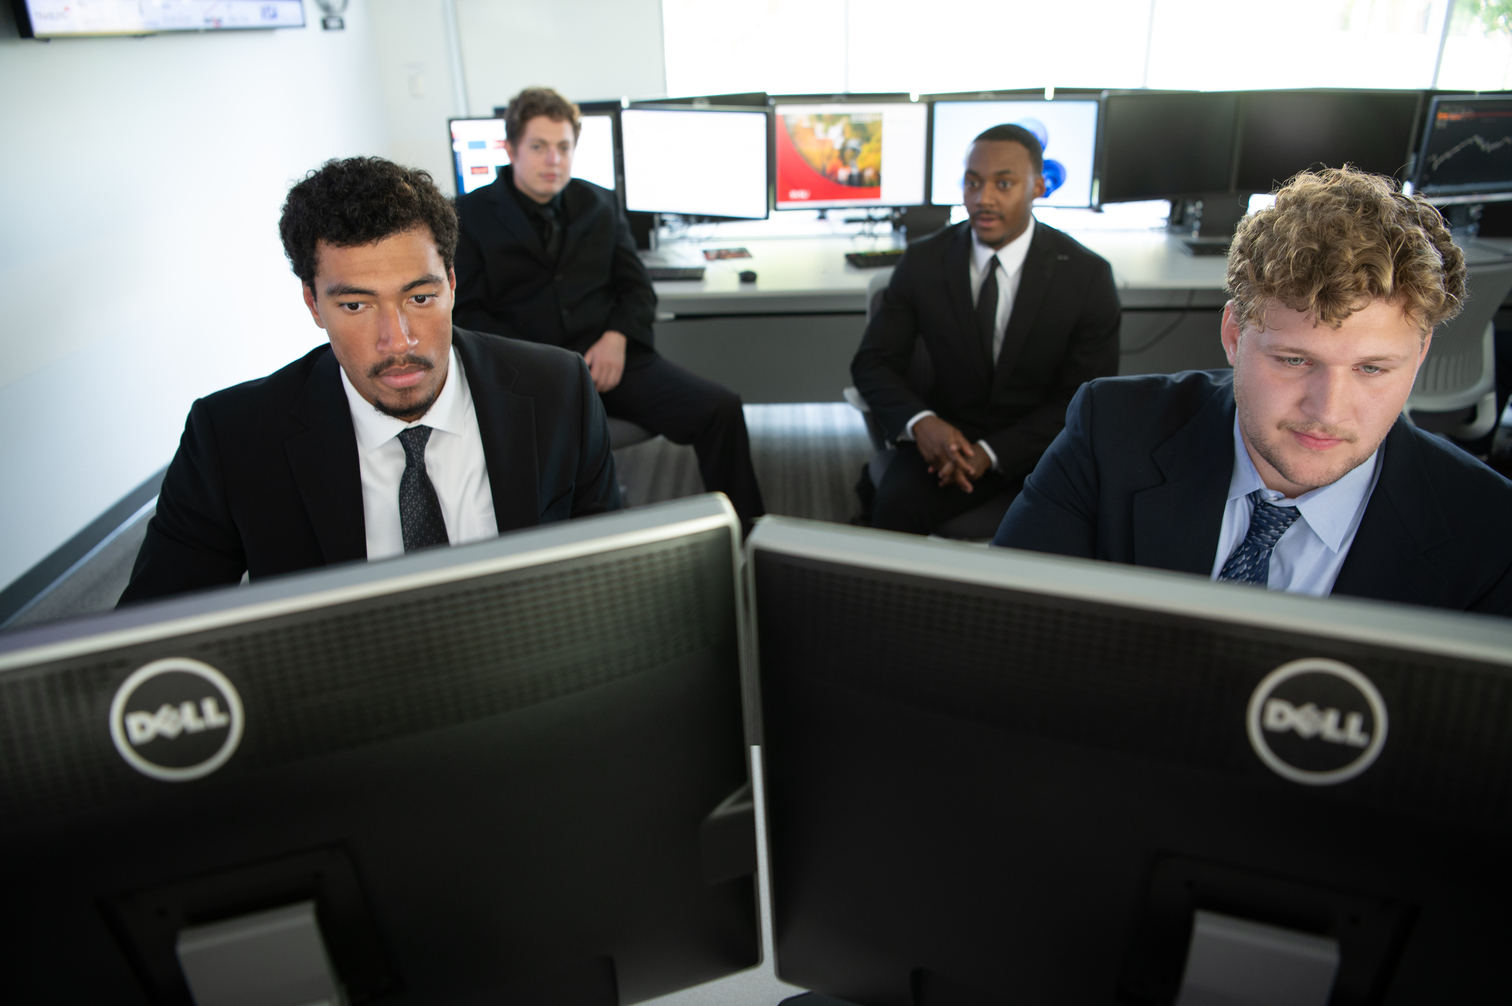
x,y
748,275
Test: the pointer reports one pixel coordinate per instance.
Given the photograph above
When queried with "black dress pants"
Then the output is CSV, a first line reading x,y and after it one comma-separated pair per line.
x,y
911,499
686,409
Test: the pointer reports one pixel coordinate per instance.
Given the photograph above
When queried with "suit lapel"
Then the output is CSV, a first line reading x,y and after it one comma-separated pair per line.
x,y
506,424
1176,523
958,285
1403,521
507,209
579,217
323,460
1039,265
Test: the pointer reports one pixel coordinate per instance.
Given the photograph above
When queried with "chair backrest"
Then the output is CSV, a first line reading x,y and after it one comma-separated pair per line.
x,y
1460,368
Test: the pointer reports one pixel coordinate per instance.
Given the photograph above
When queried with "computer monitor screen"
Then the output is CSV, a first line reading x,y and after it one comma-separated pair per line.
x,y
697,162
1166,146
1467,147
69,18
999,777
478,151
502,772
1284,132
850,154
1067,130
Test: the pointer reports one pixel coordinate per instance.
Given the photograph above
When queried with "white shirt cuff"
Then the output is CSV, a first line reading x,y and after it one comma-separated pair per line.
x,y
991,455
908,426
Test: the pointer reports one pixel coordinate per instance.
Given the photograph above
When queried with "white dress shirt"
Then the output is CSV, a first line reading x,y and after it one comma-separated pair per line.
x,y
1308,557
1010,259
453,459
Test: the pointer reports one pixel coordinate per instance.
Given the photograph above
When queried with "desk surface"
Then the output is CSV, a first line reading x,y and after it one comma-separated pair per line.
x,y
809,275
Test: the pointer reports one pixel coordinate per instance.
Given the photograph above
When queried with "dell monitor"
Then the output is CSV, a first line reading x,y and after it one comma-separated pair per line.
x,y
1284,132
502,772
996,777
695,162
1466,153
478,151
48,19
1167,145
839,154
1066,129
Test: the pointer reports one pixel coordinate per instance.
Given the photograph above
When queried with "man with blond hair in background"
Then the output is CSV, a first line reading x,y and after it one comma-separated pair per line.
x,y
1296,471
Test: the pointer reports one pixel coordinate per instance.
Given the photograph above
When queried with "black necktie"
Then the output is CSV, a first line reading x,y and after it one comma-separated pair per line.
x,y
419,509
1250,560
551,236
986,308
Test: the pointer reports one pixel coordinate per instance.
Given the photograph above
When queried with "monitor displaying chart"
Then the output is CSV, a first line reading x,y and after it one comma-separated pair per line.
x,y
66,18
845,154
1467,148
1067,130
478,152
695,162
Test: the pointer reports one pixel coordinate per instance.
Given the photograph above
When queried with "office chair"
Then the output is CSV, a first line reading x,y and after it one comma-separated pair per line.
x,y
978,524
1455,392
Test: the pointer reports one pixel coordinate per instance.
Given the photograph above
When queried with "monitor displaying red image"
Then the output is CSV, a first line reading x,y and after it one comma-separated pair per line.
x,y
845,154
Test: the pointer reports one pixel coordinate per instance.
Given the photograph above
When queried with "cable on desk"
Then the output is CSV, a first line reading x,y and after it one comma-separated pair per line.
x,y
1180,317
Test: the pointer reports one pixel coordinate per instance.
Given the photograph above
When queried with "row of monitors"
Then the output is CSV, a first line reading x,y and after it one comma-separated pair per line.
x,y
1113,147
516,772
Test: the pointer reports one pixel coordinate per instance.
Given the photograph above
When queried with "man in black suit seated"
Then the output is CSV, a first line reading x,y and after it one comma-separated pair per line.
x,y
550,258
1295,470
1015,316
401,433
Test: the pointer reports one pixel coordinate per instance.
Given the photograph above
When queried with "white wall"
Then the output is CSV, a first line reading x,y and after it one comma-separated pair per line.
x,y
139,258
415,66
587,49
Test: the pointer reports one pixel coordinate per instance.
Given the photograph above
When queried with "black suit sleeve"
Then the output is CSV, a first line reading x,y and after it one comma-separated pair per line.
x,y
596,486
1057,510
192,541
887,347
1091,352
634,310
471,309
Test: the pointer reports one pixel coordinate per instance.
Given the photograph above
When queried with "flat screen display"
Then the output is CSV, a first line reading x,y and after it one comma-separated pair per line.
x,y
1284,132
1066,129
65,18
1167,146
850,154
1468,147
478,152
702,162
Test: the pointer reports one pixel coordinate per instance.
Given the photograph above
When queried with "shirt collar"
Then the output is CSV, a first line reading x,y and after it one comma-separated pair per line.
x,y
1011,255
448,413
1329,510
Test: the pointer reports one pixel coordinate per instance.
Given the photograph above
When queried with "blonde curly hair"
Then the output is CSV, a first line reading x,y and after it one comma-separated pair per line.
x,y
1338,239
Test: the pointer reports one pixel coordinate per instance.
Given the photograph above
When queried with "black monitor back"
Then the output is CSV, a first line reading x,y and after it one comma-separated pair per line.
x,y
1167,146
996,777
1284,132
492,768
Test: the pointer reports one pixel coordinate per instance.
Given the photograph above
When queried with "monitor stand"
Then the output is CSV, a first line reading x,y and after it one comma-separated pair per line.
x,y
1207,220
272,958
1239,962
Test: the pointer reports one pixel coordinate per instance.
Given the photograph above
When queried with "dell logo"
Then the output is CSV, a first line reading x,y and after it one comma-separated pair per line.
x,y
1317,721
176,719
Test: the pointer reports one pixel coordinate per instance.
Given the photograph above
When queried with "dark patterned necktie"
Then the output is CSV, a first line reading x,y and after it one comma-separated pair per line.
x,y
551,236
986,308
1250,561
419,509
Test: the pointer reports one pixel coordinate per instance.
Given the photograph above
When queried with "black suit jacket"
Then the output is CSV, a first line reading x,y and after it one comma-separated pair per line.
x,y
506,285
1141,475
266,478
1063,331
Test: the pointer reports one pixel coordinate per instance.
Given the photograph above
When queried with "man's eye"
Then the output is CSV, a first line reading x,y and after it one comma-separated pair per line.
x,y
1294,361
351,306
1370,368
424,298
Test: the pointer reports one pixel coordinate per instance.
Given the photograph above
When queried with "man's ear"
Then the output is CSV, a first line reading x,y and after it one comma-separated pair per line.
x,y
451,277
309,299
1230,332
1039,185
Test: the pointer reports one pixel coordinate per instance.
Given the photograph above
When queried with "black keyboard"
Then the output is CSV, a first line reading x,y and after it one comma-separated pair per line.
x,y
674,272
873,259
1205,248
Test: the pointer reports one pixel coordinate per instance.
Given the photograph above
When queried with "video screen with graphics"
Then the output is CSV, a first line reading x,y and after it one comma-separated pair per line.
x,y
696,162
66,18
1067,130
478,152
1468,148
850,155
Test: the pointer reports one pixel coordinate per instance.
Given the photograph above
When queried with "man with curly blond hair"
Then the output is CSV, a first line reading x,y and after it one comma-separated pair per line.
x,y
1296,470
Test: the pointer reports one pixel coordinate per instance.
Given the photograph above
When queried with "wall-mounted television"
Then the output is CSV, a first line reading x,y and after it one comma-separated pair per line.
x,y
73,19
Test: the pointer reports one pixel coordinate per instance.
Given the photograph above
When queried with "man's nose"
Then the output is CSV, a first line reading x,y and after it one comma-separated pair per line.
x,y
1329,395
393,331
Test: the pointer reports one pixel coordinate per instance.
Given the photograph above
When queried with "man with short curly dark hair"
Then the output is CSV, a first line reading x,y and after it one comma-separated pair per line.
x,y
1295,471
402,432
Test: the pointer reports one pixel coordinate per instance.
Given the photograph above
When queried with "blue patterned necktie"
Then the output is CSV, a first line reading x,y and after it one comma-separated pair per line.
x,y
419,510
1250,561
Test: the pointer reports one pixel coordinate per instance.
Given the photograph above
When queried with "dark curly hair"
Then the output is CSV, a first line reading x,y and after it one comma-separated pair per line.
x,y
360,200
